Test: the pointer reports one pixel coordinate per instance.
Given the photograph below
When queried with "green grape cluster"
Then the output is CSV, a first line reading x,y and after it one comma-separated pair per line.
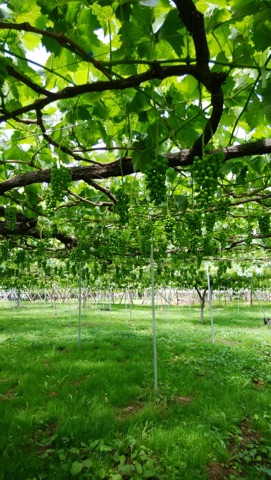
x,y
116,244
155,178
221,268
193,244
209,221
60,180
206,171
10,217
146,233
122,206
249,238
208,246
222,208
20,257
4,250
50,202
222,237
193,221
169,223
264,223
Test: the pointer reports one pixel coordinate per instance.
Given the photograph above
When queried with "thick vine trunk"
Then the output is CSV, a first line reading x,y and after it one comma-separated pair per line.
x,y
202,298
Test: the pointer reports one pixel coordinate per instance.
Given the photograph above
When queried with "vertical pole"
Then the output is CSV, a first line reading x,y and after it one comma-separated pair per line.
x,y
165,306
153,321
79,304
210,305
130,306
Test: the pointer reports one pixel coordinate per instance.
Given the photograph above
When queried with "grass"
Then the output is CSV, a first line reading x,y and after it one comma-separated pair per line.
x,y
93,413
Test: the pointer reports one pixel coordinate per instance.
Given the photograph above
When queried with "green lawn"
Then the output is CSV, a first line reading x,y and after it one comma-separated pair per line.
x,y
93,413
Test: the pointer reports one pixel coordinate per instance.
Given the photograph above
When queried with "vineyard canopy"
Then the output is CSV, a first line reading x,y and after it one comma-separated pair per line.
x,y
115,112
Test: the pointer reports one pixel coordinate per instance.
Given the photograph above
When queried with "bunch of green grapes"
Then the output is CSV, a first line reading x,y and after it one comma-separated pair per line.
x,y
155,178
20,257
60,180
193,244
222,237
209,221
249,238
193,221
4,251
264,223
169,224
122,205
221,268
146,234
208,246
50,202
10,217
206,171
222,208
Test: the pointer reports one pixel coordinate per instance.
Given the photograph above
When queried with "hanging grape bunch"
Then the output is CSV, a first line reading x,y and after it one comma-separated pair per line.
x,y
222,208
249,238
169,227
122,205
206,171
264,224
60,181
155,179
222,238
146,234
20,257
10,217
209,221
208,246
193,222
221,268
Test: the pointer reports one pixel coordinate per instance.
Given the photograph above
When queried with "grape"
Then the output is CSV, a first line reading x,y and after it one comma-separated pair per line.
x,y
208,246
193,221
146,233
155,177
206,171
10,217
209,220
264,224
222,208
222,237
169,227
122,206
249,238
60,181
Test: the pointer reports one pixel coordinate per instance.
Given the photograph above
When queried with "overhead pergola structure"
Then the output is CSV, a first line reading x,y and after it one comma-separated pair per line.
x,y
93,94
